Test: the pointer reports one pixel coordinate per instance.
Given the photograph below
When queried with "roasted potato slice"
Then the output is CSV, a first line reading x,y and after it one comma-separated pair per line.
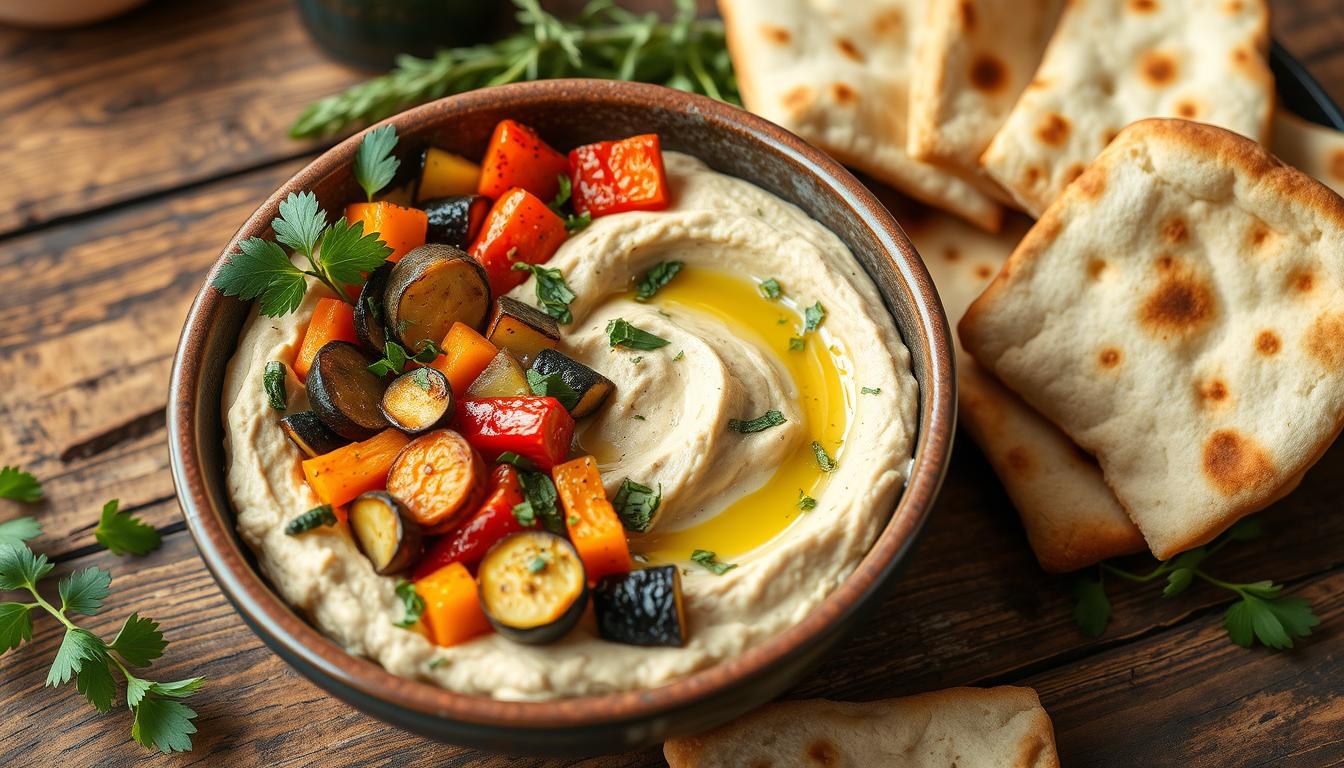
x,y
431,288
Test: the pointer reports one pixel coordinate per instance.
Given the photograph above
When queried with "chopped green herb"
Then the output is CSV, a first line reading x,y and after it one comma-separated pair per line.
x,y
273,381
657,277
870,390
770,418
421,378
636,504
812,317
122,532
313,518
521,462
770,288
621,333
524,514
563,192
577,222
436,662
394,358
17,485
680,354
805,502
709,561
552,385
797,344
782,320
824,459
537,565
539,502
573,519
553,294
637,359
412,603
374,165
637,417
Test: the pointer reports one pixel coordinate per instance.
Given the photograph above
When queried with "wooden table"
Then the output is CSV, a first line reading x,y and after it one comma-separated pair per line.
x,y
131,151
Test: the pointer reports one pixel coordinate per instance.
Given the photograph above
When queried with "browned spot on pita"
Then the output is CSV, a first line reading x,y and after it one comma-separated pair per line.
x,y
1174,231
776,34
967,11
1233,7
1053,129
1157,68
798,98
888,22
1091,184
1258,235
843,94
1165,262
1302,280
951,254
848,48
1336,164
1325,340
1234,463
822,752
1072,173
1267,343
1019,460
1143,6
1032,174
1180,305
1240,55
1187,108
1212,393
1108,135
1095,267
1109,357
988,74
984,272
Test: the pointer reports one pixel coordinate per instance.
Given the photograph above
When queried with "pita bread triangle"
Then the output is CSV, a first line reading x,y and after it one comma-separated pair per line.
x,y
1314,149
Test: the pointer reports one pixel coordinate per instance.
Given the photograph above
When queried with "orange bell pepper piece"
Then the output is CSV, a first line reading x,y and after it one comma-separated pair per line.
x,y
465,355
593,526
453,612
400,228
520,227
333,320
615,176
341,475
517,157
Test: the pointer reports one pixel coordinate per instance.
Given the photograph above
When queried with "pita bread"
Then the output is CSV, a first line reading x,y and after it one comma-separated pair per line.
x,y
1179,312
974,59
1111,62
1002,727
838,75
1071,517
1313,149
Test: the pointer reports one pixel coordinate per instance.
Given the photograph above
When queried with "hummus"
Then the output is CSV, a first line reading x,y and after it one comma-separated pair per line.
x,y
665,425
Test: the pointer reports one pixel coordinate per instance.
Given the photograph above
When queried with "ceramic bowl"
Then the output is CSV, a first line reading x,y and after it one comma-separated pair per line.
x,y
568,113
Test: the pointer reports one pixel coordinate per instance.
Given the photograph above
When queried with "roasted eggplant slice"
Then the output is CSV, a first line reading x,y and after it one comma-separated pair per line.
x,y
641,607
592,387
533,587
431,288
370,327
522,329
503,377
455,220
418,401
384,533
307,432
343,393
443,174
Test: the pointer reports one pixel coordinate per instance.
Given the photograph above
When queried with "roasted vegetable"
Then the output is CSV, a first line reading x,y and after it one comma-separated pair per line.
x,y
533,587
384,533
495,519
344,393
443,174
593,525
591,387
522,329
273,381
641,607
341,475
465,354
503,377
432,288
452,612
370,319
418,401
307,432
399,227
536,428
517,157
615,176
456,220
439,478
333,320
317,517
520,228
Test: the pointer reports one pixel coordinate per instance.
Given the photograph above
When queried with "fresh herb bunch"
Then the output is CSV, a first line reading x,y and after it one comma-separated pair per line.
x,y
1261,613
604,42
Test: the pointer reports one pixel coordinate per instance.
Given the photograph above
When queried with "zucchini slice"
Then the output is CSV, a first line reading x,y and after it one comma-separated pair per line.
x,y
431,288
533,587
384,533
642,607
418,401
455,220
502,377
522,329
307,432
592,387
370,327
344,393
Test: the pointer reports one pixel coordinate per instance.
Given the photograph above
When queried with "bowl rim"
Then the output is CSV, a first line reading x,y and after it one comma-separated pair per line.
x,y
300,643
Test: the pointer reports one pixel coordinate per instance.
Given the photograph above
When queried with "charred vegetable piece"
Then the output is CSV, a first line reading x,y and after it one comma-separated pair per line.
x,y
642,607
343,393
522,328
456,220
439,478
418,401
465,354
591,387
592,523
452,611
469,542
535,428
333,320
314,518
312,437
273,380
341,475
517,157
520,228
431,288
399,227
533,587
443,174
503,377
384,533
615,176
370,319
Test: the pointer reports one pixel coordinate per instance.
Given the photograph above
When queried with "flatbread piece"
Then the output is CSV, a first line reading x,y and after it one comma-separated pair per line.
x,y
1314,149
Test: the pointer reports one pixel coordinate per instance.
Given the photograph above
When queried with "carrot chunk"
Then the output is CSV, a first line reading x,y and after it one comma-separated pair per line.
x,y
338,477
465,355
400,228
439,478
520,227
333,320
517,157
453,612
593,526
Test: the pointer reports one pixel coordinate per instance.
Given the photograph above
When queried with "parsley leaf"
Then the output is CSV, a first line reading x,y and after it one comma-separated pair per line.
x,y
122,532
84,591
393,360
313,518
16,625
812,317
621,333
374,165
552,385
94,680
539,502
636,504
19,529
273,381
411,601
770,418
709,561
578,222
657,277
19,485
1091,609
796,343
1275,621
517,460
824,459
770,288
348,254
537,565
870,390
553,294
20,568
78,646
261,270
163,724
563,192
139,642
805,502
300,222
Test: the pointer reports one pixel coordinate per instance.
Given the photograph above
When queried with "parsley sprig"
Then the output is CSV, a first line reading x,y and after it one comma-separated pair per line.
x,y
122,532
553,293
374,166
573,222
1261,612
18,485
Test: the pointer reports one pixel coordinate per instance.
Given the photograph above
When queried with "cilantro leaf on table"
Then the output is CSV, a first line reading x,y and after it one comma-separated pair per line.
x,y
78,646
95,681
374,166
1092,609
18,485
16,625
19,529
122,532
84,591
163,724
139,641
553,294
20,568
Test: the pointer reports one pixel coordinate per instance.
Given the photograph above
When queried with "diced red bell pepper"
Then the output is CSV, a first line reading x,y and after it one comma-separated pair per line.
x,y
615,176
517,157
520,227
492,522
536,428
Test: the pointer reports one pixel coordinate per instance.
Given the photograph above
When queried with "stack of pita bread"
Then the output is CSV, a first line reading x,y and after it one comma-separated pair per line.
x,y
1117,369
